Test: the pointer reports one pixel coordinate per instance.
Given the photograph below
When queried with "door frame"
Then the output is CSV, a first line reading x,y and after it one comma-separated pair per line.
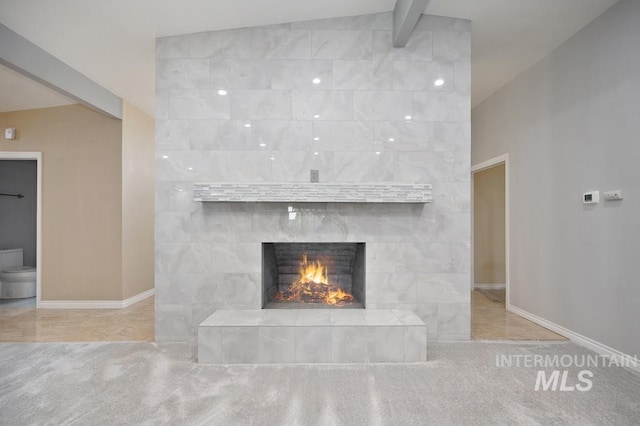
x,y
496,161
37,156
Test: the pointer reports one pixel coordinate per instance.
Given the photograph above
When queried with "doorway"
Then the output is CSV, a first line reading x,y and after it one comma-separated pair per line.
x,y
491,318
20,220
489,225
489,296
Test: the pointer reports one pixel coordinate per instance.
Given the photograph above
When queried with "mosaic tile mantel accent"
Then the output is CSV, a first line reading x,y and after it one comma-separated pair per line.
x,y
313,192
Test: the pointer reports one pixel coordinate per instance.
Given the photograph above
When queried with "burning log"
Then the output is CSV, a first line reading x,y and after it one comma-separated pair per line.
x,y
313,286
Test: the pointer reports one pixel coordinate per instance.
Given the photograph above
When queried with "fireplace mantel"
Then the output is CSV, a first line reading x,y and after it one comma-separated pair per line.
x,y
261,192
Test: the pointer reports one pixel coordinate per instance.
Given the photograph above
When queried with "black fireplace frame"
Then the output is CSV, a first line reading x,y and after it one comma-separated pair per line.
x,y
272,281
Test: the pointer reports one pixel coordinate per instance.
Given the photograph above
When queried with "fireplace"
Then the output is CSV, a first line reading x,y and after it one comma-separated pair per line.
x,y
313,275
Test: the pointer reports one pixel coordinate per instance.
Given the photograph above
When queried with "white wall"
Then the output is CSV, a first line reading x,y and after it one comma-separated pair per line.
x,y
570,124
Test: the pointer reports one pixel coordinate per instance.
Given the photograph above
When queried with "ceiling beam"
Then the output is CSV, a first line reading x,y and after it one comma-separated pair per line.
x,y
405,17
19,54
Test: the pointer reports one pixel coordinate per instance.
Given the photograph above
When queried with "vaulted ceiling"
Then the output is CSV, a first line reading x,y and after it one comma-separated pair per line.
x,y
112,42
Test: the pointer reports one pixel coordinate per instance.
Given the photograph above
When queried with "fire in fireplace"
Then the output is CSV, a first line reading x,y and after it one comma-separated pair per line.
x,y
313,275
313,286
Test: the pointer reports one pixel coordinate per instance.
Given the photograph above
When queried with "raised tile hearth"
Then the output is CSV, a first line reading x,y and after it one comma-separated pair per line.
x,y
312,336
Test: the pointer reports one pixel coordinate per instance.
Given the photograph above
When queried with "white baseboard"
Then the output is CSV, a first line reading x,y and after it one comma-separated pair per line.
x,y
95,304
490,286
581,340
138,297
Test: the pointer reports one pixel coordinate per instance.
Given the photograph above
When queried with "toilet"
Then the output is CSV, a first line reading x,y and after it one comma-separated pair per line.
x,y
17,281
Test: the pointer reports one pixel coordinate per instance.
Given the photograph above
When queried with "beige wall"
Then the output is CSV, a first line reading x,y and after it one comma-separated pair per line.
x,y
97,201
81,200
489,226
137,201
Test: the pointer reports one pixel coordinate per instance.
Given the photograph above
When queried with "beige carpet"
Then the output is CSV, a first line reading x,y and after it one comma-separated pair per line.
x,y
150,384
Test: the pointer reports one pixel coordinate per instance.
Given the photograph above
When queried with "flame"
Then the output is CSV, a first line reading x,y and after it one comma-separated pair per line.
x,y
312,286
313,272
338,297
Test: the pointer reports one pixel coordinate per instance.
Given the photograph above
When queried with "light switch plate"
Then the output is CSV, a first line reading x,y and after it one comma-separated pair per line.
x,y
613,195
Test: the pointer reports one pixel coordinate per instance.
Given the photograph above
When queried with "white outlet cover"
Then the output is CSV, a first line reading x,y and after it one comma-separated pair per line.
x,y
10,133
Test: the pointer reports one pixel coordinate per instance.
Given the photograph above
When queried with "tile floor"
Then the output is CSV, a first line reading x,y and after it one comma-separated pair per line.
x,y
28,324
29,302
491,321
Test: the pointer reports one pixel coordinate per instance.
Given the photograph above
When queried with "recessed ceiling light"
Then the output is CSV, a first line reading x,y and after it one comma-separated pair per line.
x,y
315,153
439,82
180,190
272,158
190,168
263,144
165,156
316,81
316,138
377,152
391,139
408,117
222,92
316,116
247,125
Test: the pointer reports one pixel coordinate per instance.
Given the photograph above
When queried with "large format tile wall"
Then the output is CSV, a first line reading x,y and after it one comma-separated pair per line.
x,y
275,125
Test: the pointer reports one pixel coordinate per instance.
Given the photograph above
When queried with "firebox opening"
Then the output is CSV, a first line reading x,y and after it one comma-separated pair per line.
x,y
313,275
